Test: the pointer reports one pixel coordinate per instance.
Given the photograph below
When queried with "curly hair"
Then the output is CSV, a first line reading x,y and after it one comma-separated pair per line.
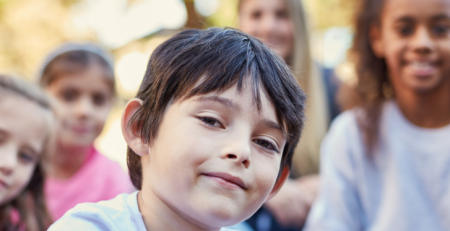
x,y
373,85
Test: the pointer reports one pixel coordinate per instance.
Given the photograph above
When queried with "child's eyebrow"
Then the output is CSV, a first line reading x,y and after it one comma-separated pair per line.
x,y
226,102
440,17
274,125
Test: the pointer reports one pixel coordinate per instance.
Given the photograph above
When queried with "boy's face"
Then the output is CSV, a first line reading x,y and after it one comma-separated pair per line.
x,y
215,158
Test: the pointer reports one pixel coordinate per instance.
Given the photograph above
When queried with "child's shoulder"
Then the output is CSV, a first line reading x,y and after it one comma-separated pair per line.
x,y
120,213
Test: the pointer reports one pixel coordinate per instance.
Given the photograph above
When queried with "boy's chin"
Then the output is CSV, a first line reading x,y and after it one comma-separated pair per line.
x,y
224,214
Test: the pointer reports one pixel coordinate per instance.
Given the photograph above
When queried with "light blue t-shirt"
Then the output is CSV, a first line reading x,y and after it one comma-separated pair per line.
x,y
406,185
120,213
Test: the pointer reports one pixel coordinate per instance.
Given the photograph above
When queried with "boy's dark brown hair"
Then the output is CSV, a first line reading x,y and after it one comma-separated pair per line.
x,y
373,85
30,203
196,62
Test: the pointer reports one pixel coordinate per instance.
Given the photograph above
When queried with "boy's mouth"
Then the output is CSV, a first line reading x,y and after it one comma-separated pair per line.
x,y
227,178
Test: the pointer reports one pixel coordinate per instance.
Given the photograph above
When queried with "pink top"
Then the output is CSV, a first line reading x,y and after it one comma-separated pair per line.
x,y
98,179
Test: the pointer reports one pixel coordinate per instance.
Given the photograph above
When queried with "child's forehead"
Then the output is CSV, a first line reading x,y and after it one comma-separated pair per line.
x,y
399,9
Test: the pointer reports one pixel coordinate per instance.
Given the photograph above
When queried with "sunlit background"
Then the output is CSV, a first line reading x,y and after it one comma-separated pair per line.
x,y
132,29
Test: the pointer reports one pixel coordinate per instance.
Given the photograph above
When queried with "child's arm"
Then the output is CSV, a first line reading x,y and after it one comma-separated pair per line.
x,y
338,207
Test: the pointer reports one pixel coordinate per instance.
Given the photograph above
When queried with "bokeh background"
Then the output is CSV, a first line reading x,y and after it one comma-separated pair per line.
x,y
132,29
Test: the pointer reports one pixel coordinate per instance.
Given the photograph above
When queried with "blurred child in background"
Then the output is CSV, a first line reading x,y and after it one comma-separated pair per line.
x,y
282,25
386,163
25,129
80,77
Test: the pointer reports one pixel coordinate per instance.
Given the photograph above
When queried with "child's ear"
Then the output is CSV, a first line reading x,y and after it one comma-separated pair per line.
x,y
375,41
130,131
280,182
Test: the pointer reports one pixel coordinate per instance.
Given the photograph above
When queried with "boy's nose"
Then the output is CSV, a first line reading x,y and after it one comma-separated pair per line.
x,y
238,151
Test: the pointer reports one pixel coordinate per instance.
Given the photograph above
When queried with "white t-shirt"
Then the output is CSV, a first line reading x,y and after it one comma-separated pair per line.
x,y
120,213
405,186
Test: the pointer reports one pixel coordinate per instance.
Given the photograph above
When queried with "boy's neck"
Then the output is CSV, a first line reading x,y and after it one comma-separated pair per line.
x,y
66,161
427,110
157,215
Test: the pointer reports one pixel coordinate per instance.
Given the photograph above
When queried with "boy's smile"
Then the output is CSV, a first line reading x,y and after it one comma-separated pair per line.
x,y
215,158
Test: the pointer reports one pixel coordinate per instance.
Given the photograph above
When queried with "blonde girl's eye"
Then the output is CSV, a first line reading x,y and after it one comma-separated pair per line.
x,y
209,121
256,14
267,145
26,158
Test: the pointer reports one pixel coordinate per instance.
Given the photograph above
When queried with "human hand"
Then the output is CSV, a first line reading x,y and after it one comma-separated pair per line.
x,y
291,205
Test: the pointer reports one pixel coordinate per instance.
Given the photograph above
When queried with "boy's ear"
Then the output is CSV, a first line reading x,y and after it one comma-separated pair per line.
x,y
375,41
280,182
130,131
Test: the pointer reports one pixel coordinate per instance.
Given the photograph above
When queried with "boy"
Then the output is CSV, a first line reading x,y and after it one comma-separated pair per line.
x,y
210,134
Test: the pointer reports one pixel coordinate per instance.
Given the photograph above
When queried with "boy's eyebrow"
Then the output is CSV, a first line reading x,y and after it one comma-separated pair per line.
x,y
226,102
231,104
274,125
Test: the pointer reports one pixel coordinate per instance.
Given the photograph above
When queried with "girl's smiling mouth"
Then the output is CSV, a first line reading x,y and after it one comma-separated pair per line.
x,y
421,68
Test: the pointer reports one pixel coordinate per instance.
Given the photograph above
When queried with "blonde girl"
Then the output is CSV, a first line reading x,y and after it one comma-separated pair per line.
x,y
25,129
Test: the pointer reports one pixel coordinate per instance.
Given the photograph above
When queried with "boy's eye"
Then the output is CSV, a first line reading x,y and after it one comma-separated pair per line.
x,y
266,144
210,121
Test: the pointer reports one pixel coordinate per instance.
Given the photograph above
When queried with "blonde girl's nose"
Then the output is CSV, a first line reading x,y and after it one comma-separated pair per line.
x,y
267,25
8,160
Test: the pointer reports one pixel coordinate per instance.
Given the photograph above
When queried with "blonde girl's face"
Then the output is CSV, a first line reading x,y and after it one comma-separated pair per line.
x,y
83,101
269,21
23,131
414,39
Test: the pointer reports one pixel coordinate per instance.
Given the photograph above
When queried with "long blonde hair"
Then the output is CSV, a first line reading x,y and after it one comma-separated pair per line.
x,y
306,158
307,153
30,203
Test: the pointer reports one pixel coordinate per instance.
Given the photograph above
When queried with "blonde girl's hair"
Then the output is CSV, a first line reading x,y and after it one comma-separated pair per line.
x,y
30,203
306,155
